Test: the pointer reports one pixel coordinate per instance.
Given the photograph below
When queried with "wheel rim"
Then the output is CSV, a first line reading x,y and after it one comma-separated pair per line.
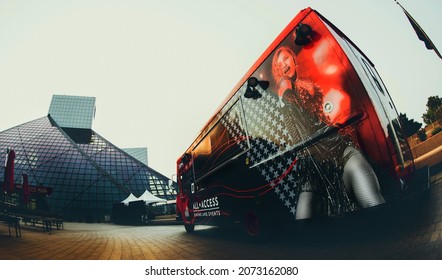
x,y
252,224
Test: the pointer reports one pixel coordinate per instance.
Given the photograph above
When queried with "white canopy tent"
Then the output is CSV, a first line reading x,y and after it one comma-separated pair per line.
x,y
130,198
148,198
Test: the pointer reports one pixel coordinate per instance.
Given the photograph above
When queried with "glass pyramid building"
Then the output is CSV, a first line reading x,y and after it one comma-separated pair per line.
x,y
87,173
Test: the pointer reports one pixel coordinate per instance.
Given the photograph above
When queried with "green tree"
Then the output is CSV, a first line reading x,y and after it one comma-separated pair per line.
x,y
409,126
422,135
434,110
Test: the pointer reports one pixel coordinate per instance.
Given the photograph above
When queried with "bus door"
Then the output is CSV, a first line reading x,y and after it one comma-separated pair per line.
x,y
187,187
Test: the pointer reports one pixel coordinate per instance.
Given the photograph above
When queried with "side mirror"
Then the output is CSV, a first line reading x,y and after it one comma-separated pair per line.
x,y
186,158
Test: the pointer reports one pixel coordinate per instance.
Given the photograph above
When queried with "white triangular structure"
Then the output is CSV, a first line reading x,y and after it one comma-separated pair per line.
x,y
130,198
148,198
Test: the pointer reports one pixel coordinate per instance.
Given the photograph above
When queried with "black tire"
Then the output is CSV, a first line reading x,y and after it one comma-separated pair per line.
x,y
189,228
252,224
257,227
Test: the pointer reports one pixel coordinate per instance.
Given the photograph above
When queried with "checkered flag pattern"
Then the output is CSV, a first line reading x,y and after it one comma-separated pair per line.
x,y
267,144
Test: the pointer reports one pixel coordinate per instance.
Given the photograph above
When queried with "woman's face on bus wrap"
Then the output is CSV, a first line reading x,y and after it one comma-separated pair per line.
x,y
285,63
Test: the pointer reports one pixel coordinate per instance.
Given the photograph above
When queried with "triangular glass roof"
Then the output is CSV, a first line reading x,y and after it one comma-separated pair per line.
x,y
87,173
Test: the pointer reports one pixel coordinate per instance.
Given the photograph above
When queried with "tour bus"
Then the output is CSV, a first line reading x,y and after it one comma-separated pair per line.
x,y
309,131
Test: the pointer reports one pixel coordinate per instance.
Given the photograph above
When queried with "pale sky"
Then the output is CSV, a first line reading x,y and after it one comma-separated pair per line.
x,y
160,68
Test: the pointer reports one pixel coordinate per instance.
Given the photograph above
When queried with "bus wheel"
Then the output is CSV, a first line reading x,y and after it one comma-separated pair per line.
x,y
189,227
252,224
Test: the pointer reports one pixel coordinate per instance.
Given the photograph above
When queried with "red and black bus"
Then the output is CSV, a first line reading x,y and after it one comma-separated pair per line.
x,y
309,131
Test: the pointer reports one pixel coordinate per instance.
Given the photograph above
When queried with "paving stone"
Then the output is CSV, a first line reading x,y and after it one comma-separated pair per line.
x,y
404,236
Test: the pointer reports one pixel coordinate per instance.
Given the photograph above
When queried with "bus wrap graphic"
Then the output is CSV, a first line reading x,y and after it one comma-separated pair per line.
x,y
305,133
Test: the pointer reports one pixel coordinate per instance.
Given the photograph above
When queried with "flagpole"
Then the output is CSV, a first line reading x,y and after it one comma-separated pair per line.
x,y
420,32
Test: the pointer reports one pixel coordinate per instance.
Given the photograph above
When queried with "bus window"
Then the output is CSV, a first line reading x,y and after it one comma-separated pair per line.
x,y
373,76
225,141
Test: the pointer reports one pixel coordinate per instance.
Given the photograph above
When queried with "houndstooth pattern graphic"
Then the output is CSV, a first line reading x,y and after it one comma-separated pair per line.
x,y
267,144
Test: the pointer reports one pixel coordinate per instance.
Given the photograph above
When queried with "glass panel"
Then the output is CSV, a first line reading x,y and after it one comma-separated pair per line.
x,y
226,140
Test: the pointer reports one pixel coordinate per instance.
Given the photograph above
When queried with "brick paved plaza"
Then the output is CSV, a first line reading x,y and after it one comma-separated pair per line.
x,y
413,232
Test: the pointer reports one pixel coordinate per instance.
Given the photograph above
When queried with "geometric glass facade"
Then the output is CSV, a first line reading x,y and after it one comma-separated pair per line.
x,y
138,153
73,111
86,172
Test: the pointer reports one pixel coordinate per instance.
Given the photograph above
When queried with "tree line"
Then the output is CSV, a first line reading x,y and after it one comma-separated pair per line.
x,y
432,114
